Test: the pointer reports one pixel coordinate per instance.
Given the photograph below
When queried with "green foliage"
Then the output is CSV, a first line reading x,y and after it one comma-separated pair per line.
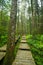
x,y
2,2
36,48
4,20
3,40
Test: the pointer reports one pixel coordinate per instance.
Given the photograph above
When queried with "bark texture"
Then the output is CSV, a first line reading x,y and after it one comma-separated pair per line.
x,y
11,35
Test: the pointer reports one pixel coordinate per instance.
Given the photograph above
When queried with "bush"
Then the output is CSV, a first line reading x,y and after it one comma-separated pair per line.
x,y
36,48
3,40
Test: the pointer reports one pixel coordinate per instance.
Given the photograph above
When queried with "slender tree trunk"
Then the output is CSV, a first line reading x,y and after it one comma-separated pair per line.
x,y
11,35
18,20
21,24
41,27
32,16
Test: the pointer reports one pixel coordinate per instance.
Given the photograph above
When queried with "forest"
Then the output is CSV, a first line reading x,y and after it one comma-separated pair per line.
x,y
19,18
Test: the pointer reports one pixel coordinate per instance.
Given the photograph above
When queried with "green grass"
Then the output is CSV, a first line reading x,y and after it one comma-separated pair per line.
x,y
36,45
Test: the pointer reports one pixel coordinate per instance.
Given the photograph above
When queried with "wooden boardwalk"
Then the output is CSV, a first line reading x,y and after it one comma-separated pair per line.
x,y
24,55
3,48
3,51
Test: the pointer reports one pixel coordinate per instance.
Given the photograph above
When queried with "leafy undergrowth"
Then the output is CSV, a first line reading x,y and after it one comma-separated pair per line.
x,y
36,45
16,48
3,40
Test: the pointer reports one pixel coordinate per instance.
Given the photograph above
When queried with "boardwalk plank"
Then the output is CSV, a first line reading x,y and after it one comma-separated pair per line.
x,y
24,57
2,55
3,48
24,46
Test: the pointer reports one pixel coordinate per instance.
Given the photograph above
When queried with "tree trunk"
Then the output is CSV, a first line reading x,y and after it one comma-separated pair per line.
x,y
11,35
41,28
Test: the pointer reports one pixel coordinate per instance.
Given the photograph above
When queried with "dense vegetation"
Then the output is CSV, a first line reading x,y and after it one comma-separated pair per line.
x,y
19,17
36,45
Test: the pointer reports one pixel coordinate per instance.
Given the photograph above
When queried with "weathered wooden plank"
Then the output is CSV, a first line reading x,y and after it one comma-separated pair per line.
x,y
24,46
2,55
24,57
23,41
3,48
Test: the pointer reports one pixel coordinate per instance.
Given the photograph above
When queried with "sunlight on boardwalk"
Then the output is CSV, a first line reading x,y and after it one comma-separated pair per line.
x,y
3,47
24,46
24,57
2,54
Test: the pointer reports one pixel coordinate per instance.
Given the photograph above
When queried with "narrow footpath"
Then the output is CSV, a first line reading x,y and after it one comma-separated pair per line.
x,y
24,55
